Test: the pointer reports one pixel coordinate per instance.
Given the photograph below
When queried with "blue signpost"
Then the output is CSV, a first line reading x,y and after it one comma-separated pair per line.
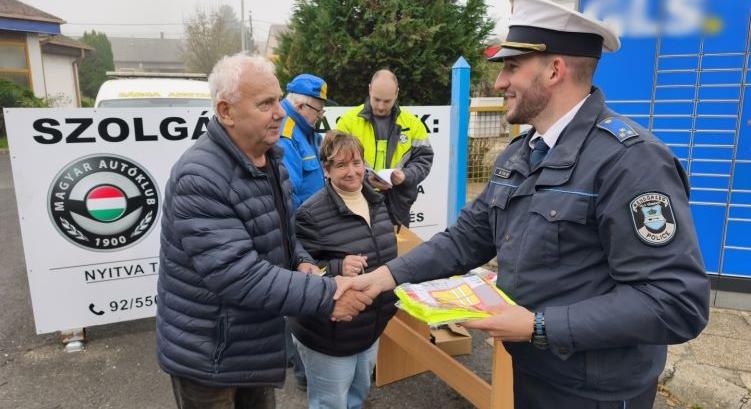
x,y
459,138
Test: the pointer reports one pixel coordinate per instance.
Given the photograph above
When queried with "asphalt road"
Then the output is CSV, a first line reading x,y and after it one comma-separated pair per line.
x,y
118,367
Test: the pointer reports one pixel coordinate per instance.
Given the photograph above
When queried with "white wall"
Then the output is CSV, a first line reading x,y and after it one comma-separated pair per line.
x,y
35,64
60,79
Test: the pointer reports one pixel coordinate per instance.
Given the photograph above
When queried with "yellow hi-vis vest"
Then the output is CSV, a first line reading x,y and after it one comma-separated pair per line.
x,y
412,133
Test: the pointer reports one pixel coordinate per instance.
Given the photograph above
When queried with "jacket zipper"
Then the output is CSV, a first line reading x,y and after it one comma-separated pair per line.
x,y
222,342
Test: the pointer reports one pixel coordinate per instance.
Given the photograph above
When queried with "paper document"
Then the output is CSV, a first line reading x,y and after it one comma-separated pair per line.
x,y
383,175
461,298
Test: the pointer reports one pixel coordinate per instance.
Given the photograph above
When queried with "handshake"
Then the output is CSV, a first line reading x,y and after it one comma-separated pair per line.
x,y
354,294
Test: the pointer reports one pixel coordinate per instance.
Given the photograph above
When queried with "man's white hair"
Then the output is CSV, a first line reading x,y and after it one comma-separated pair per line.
x,y
298,98
224,80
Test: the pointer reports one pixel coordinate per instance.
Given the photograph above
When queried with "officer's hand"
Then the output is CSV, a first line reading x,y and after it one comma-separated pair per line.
x,y
308,268
397,177
375,282
509,323
378,185
354,265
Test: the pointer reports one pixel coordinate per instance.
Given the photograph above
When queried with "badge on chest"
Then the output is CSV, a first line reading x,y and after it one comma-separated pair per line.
x,y
502,173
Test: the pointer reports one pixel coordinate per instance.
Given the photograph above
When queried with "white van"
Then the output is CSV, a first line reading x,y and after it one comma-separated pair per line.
x,y
153,92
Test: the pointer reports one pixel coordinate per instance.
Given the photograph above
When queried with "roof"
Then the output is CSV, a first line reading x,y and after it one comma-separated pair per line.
x,y
16,10
146,49
63,41
275,33
152,88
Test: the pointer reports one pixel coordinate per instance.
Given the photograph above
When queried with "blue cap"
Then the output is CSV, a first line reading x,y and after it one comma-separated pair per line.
x,y
310,85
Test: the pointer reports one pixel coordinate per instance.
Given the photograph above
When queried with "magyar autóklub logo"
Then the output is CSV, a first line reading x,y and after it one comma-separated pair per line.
x,y
103,202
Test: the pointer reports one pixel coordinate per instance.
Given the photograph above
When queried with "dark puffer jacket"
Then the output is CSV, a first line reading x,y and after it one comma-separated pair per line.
x,y
330,231
221,291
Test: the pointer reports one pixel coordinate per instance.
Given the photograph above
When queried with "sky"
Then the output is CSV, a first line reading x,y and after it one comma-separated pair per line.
x,y
149,18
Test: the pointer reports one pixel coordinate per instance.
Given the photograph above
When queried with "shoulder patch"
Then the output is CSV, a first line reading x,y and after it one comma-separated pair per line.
x,y
618,128
289,127
653,217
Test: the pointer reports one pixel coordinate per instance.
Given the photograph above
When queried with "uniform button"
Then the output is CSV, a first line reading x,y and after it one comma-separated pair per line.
x,y
553,213
508,237
563,350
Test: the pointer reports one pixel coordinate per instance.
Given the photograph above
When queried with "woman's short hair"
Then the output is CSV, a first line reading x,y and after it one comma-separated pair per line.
x,y
336,142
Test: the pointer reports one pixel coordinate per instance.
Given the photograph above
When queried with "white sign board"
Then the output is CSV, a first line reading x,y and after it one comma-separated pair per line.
x,y
89,188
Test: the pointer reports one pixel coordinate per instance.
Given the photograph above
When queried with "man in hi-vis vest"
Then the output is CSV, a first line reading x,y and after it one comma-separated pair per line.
x,y
394,139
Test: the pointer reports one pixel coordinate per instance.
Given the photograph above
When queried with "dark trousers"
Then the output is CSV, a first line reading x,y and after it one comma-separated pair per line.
x,y
193,395
532,393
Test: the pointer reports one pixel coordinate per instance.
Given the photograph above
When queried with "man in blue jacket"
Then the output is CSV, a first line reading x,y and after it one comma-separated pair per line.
x,y
230,266
589,219
304,107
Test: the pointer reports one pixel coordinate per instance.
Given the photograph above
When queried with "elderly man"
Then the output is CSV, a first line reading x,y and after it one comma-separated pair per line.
x,y
589,219
393,139
304,107
228,252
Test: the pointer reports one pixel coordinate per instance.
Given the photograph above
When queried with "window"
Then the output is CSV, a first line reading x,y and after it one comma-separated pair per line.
x,y
14,62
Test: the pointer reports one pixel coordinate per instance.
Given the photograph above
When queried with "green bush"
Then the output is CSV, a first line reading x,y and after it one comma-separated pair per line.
x,y
13,95
87,102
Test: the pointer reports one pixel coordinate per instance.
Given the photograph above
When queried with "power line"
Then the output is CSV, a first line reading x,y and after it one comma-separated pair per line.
x,y
148,24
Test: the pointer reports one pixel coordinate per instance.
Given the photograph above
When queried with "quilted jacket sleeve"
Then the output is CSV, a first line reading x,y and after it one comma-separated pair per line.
x,y
223,252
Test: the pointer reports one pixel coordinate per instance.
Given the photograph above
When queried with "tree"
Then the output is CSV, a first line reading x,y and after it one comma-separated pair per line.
x,y
13,95
209,37
92,71
345,41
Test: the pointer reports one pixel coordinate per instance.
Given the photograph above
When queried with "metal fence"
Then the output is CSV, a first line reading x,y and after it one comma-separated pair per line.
x,y
489,134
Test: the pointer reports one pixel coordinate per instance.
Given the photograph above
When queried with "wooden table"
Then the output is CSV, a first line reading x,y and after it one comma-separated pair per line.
x,y
406,350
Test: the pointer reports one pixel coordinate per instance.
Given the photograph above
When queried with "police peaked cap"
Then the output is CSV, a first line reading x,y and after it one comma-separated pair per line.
x,y
547,27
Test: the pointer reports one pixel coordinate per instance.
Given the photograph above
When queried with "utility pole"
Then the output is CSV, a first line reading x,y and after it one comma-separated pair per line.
x,y
251,37
242,27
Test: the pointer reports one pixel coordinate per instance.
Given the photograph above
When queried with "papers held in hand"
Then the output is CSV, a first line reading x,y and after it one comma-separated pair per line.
x,y
383,175
456,299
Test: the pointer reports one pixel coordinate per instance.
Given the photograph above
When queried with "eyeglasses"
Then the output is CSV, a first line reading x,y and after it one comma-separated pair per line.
x,y
318,111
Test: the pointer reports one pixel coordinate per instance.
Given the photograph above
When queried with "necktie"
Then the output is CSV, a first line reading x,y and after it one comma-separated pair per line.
x,y
538,153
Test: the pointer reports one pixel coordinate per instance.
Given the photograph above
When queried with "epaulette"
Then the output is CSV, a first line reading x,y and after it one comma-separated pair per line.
x,y
618,128
289,127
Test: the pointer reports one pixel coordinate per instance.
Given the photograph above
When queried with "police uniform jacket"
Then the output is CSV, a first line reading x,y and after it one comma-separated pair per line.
x,y
571,242
223,287
406,147
300,143
329,231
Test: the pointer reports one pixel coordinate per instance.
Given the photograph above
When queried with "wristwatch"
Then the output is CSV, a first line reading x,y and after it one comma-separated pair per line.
x,y
539,337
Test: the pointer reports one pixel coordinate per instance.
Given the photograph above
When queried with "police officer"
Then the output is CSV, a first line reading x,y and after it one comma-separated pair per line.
x,y
304,107
588,216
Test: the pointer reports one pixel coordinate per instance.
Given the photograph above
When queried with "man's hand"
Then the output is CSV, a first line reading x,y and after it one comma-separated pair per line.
x,y
308,268
350,304
397,177
354,265
375,282
509,323
376,184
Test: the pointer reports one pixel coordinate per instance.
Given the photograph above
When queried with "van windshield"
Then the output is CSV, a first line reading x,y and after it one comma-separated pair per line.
x,y
154,103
